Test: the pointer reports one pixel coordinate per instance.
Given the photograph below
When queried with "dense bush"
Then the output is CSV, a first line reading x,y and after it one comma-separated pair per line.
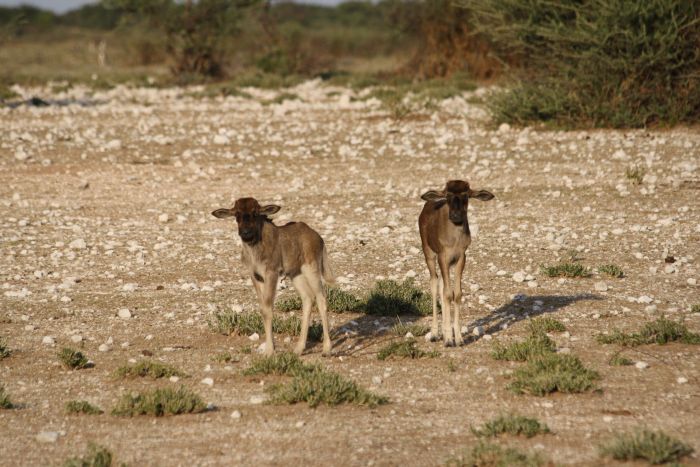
x,y
617,63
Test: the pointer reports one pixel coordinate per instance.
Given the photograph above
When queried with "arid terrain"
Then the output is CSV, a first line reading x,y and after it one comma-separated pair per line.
x,y
106,206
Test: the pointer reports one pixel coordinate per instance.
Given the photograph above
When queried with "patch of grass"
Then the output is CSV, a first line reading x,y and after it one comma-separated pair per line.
x,y
83,407
338,301
225,357
6,93
283,364
635,175
545,324
148,368
281,97
655,447
620,360
492,455
661,331
535,345
451,365
5,402
405,348
97,456
567,269
417,329
247,323
318,386
4,351
513,425
391,298
160,402
611,270
553,372
72,359
695,308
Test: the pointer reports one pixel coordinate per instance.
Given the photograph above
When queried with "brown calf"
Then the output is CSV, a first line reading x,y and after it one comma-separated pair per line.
x,y
294,250
444,233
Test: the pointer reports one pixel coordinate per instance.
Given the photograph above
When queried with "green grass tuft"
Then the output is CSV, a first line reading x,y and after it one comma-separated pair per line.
x,y
5,402
229,322
338,301
319,386
611,270
635,175
225,357
83,407
619,360
493,455
695,308
534,345
283,363
72,359
160,402
553,372
4,351
545,324
391,298
566,270
417,329
405,348
660,331
513,425
148,368
97,456
655,447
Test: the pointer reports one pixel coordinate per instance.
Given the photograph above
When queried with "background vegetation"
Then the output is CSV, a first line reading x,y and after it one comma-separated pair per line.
x,y
572,63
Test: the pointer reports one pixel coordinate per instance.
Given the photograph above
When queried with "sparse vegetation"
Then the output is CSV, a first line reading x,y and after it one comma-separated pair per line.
x,y
451,365
661,331
635,175
72,359
319,386
225,357
620,360
655,447
391,298
535,344
492,455
338,301
611,270
83,407
4,350
5,402
282,363
695,308
148,368
566,269
417,329
513,425
545,324
97,456
405,348
247,323
553,372
160,402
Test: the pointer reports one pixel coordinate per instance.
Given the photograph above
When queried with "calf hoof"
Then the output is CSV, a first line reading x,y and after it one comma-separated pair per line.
x,y
449,343
459,342
327,353
434,336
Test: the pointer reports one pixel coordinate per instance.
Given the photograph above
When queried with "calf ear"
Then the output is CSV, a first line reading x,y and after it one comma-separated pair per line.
x,y
482,195
223,213
270,209
432,196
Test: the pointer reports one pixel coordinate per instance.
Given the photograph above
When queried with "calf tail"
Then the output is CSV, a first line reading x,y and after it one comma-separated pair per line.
x,y
326,271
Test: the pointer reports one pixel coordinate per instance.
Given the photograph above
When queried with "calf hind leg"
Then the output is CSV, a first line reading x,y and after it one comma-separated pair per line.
x,y
307,300
313,277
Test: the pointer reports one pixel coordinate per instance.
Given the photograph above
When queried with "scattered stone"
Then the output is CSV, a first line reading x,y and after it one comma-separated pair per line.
x,y
236,415
641,365
47,436
478,331
519,276
174,379
376,380
408,336
48,340
601,286
681,380
257,399
208,381
254,337
692,281
163,218
103,348
76,338
428,337
124,313
77,244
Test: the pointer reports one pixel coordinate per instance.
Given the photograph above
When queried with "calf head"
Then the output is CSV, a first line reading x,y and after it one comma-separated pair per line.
x,y
250,217
456,195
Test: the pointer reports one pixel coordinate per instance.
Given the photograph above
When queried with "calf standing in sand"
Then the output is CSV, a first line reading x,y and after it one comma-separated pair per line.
x,y
294,250
444,233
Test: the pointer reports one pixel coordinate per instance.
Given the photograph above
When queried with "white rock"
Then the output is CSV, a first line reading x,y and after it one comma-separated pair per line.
x,y
236,414
376,380
692,281
254,337
174,379
478,331
645,299
261,348
124,313
300,424
103,348
501,273
77,244
503,128
601,286
428,337
48,340
257,399
129,287
408,336
47,436
681,380
163,218
532,284
464,330
519,276
641,365
114,144
76,338
208,381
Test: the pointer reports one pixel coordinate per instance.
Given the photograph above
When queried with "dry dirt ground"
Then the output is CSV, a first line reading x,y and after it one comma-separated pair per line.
x,y
107,206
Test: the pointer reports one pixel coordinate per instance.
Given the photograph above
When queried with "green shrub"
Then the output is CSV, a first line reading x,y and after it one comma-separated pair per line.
x,y
228,322
405,348
493,455
534,345
655,447
566,270
5,402
4,351
661,331
83,407
620,360
97,456
513,425
160,402
390,298
611,270
695,308
635,175
553,372
283,363
617,63
72,359
545,324
148,368
417,329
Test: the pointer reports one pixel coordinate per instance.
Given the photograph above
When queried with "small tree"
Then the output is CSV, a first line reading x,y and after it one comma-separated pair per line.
x,y
195,30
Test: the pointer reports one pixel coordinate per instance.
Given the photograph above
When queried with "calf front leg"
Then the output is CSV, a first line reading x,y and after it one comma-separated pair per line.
x,y
447,297
459,268
435,290
268,288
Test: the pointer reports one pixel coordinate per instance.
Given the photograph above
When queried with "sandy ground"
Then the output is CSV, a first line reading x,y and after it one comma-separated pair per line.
x,y
107,206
